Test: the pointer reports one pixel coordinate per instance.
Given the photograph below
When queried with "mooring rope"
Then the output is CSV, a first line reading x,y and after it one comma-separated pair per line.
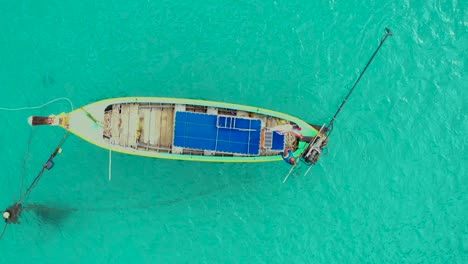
x,y
313,150
4,229
12,213
26,158
48,165
330,124
40,106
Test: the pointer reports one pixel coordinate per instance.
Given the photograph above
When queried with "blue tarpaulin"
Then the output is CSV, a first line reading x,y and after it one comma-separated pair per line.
x,y
228,134
278,141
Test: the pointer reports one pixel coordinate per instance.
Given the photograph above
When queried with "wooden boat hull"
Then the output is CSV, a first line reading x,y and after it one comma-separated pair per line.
x,y
187,129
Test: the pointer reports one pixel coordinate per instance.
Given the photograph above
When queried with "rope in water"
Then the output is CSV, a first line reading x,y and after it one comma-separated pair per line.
x,y
330,124
40,106
3,232
48,165
314,149
25,160
15,210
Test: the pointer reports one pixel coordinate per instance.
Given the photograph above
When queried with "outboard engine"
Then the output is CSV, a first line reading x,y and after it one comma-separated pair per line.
x,y
313,151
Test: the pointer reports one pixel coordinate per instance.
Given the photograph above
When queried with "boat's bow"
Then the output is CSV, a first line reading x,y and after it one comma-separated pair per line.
x,y
86,123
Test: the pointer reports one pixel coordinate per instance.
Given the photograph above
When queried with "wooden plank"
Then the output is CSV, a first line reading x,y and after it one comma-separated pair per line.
x,y
124,115
140,127
180,107
163,128
152,127
242,113
177,150
212,110
133,125
272,122
145,132
208,153
115,123
157,126
170,127
149,106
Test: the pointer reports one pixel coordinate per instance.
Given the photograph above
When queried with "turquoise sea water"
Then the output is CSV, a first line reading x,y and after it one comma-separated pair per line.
x,y
392,189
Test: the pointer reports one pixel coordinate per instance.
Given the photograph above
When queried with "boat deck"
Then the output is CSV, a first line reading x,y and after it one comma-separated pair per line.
x,y
186,129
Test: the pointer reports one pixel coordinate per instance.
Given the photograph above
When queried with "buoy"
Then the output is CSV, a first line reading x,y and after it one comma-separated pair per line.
x,y
6,215
59,150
